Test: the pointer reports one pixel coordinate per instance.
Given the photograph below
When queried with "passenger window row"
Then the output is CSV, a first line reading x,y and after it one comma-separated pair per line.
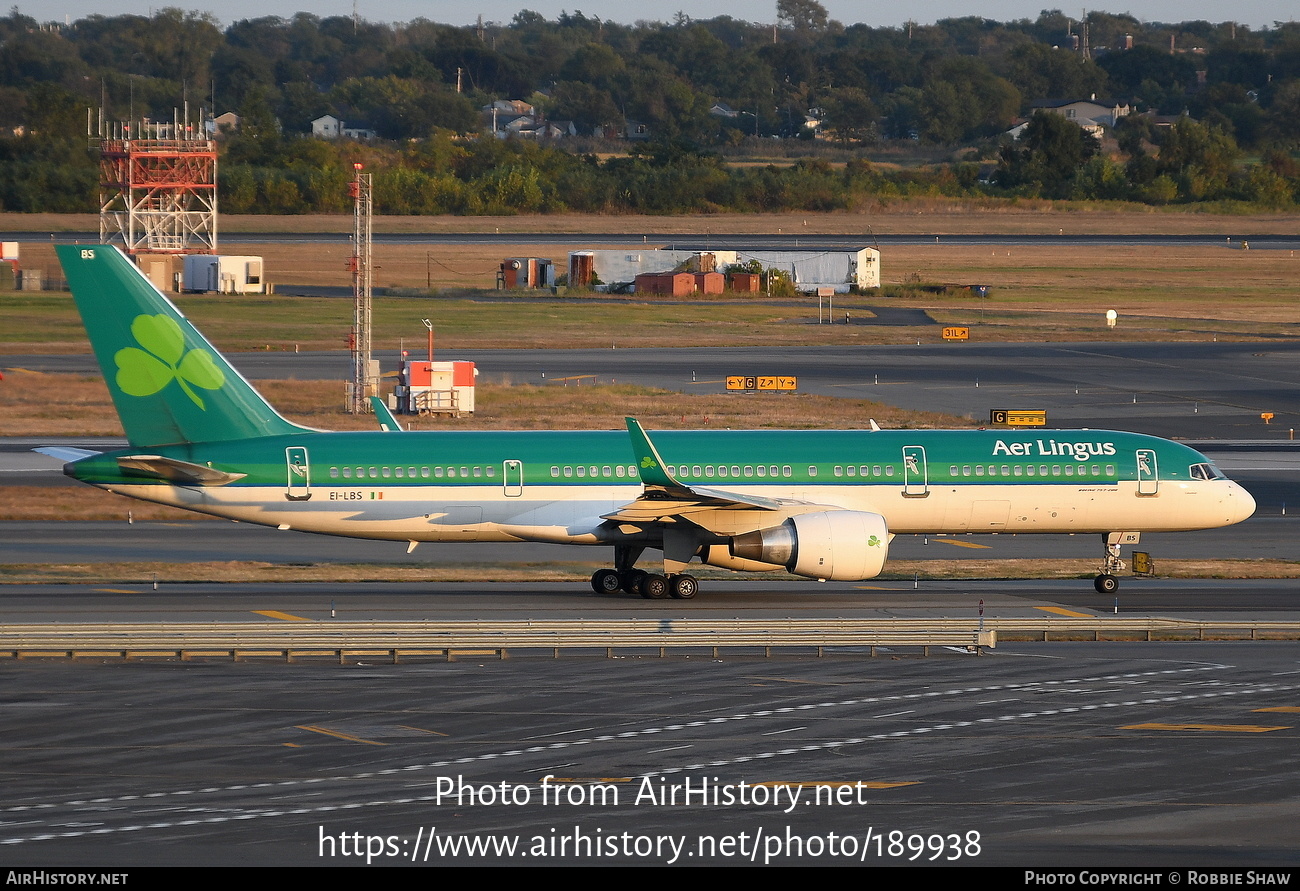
x,y
387,472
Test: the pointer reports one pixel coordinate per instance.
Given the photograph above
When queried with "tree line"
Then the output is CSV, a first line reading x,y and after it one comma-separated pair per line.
x,y
700,90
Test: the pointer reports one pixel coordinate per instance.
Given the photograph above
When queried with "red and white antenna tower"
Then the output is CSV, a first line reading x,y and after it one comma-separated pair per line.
x,y
365,380
158,187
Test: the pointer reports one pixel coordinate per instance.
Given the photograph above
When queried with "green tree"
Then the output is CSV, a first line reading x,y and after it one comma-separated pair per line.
x,y
851,115
804,16
587,106
1198,158
1048,156
962,99
1041,72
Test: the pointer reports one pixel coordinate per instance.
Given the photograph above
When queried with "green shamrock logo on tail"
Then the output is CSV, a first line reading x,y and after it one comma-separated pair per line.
x,y
143,372
647,462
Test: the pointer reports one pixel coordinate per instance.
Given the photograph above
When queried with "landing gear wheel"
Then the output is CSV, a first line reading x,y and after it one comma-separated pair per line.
x,y
1106,582
631,581
654,587
684,587
605,581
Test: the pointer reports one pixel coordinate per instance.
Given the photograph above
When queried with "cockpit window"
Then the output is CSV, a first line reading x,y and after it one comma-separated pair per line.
x,y
1206,472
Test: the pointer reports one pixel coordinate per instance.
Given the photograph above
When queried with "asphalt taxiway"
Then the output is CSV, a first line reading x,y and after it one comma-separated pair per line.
x,y
163,600
1114,754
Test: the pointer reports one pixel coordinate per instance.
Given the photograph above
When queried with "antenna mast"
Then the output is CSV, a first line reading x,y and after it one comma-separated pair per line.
x,y
364,379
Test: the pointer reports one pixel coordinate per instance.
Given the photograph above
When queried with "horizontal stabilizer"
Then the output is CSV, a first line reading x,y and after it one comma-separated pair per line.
x,y
66,453
182,473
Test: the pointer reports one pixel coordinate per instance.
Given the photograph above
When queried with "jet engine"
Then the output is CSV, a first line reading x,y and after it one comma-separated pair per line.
x,y
844,545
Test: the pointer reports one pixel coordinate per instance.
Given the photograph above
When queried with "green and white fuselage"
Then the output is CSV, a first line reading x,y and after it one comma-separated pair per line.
x,y
818,503
558,486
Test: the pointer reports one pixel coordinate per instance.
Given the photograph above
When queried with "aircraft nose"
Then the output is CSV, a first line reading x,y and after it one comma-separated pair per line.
x,y
1241,505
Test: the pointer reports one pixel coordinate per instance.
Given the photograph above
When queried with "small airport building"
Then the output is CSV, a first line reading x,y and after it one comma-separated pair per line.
x,y
222,274
617,270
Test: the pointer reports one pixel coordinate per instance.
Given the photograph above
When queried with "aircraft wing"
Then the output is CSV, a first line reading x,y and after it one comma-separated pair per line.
x,y
668,501
659,505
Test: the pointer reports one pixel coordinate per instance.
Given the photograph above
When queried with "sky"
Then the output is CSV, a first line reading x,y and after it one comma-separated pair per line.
x,y
1255,13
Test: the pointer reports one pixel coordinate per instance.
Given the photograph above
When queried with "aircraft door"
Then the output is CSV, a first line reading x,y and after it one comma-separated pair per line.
x,y
916,482
1147,472
298,471
513,473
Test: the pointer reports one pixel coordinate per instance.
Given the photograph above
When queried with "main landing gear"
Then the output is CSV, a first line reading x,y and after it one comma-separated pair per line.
x,y
1106,582
652,586
649,585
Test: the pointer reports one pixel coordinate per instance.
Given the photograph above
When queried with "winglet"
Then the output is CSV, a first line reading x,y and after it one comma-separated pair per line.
x,y
387,422
649,464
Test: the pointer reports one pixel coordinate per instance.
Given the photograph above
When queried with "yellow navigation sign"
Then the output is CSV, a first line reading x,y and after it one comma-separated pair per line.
x,y
769,382
954,332
1010,417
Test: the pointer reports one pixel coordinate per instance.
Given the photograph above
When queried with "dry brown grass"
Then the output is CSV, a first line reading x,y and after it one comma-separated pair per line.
x,y
1157,281
34,404
908,216
83,504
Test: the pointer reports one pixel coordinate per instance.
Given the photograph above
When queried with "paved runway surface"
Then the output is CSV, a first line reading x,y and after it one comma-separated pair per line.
x,y
1080,754
732,598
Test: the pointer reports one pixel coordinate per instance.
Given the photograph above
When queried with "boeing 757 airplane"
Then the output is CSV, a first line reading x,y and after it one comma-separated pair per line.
x,y
819,504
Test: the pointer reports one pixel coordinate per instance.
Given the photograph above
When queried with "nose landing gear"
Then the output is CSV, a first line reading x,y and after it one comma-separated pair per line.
x,y
1106,582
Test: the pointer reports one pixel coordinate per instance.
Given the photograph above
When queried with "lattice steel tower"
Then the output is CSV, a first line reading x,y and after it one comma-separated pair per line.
x,y
158,188
365,381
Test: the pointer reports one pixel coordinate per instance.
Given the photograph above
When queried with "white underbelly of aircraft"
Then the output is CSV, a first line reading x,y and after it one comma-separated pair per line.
x,y
551,514
401,516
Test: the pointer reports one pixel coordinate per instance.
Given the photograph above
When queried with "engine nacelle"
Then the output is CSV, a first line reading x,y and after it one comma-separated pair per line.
x,y
721,556
844,545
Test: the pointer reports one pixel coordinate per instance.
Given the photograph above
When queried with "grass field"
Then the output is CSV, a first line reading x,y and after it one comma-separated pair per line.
x,y
1038,293
33,404
904,216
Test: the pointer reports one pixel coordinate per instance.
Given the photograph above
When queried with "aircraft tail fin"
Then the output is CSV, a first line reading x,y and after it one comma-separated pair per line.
x,y
169,384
